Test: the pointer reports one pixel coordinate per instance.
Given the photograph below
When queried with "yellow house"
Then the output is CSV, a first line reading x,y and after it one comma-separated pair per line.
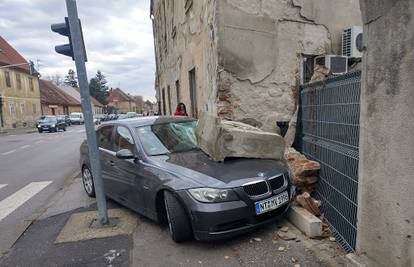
x,y
121,101
19,90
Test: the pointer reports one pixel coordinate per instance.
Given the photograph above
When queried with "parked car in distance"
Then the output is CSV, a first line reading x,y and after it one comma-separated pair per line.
x,y
40,119
65,118
51,124
153,166
76,118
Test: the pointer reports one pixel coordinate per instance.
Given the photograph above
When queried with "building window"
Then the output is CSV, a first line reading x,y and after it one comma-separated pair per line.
x,y
12,110
169,99
22,108
177,90
164,112
18,81
8,81
31,84
34,109
193,92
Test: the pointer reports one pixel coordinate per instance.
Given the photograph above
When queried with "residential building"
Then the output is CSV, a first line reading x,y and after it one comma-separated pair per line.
x,y
55,101
150,108
121,101
242,59
19,89
139,104
74,92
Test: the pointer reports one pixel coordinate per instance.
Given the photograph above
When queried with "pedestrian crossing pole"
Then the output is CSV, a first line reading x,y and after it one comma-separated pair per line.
x,y
76,49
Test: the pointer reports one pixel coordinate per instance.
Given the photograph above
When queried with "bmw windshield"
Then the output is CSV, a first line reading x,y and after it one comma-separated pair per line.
x,y
173,137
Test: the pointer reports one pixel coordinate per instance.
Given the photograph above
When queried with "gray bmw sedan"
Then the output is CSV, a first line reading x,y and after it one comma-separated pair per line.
x,y
153,166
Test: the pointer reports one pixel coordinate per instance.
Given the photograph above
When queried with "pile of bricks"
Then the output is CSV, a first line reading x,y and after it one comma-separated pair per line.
x,y
304,173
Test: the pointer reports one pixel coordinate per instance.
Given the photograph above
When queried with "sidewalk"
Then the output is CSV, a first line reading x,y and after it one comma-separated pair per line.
x,y
151,245
17,131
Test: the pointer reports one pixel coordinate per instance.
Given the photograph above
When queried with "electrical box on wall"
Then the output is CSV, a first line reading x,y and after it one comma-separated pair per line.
x,y
335,64
352,42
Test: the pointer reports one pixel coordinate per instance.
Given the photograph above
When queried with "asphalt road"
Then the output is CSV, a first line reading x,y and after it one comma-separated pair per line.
x,y
33,167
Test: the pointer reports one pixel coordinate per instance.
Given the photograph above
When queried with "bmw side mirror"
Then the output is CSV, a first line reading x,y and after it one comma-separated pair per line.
x,y
125,154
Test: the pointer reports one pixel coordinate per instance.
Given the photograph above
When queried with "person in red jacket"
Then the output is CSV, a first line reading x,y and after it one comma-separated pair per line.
x,y
181,110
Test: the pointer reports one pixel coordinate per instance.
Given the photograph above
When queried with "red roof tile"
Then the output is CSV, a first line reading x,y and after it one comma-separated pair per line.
x,y
50,94
9,55
119,96
93,99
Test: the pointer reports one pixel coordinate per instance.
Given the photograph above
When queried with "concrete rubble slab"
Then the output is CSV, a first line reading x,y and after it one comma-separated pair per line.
x,y
221,139
79,226
305,221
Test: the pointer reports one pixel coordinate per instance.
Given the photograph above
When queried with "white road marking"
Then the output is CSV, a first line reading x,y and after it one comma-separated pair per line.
x,y
9,152
11,203
2,185
81,131
39,141
26,146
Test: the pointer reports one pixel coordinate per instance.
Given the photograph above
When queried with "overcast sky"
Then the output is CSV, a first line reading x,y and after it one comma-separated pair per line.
x,y
117,33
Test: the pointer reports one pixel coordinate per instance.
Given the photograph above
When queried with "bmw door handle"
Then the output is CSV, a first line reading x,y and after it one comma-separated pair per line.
x,y
111,163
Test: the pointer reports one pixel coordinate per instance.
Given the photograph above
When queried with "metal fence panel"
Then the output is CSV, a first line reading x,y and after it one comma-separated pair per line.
x,y
328,132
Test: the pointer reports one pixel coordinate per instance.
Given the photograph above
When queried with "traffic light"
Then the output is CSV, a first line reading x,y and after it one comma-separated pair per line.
x,y
64,29
1,102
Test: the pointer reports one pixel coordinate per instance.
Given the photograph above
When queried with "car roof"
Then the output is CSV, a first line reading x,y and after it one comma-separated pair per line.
x,y
149,120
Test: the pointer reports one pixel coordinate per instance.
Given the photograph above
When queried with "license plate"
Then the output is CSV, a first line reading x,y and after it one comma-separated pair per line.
x,y
271,203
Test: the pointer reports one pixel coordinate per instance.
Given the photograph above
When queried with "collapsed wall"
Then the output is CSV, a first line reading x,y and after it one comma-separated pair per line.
x,y
260,46
222,139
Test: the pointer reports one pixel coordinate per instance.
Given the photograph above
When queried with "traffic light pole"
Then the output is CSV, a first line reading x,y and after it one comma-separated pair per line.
x,y
79,56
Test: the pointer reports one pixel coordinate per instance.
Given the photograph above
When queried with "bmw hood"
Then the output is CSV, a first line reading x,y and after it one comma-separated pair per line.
x,y
234,172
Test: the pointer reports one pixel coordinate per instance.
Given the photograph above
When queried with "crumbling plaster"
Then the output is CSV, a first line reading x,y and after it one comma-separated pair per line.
x,y
247,53
259,58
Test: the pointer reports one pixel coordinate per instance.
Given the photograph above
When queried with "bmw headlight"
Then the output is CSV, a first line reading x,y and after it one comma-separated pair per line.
x,y
53,126
212,195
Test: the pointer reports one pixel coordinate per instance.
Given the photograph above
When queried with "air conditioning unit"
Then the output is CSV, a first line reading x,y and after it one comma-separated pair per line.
x,y
352,42
335,64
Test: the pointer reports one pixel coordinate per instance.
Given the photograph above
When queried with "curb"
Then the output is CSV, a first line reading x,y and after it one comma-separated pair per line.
x,y
305,221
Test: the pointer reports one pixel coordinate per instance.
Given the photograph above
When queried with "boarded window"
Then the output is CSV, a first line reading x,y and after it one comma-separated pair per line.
x,y
8,81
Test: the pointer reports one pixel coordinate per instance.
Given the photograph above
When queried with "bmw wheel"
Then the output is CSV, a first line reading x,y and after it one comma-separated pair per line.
x,y
87,181
178,221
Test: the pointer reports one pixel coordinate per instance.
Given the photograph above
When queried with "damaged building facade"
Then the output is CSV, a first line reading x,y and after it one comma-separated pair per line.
x,y
242,60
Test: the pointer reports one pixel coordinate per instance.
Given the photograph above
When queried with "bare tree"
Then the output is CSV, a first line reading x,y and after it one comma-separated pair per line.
x,y
55,78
